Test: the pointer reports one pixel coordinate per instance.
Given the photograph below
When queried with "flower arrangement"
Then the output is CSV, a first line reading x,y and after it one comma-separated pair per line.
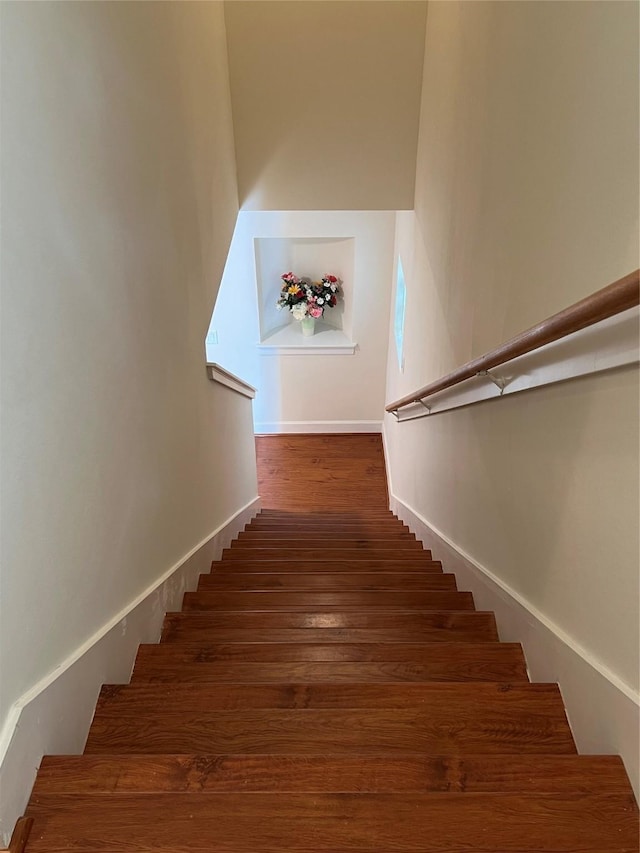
x,y
306,298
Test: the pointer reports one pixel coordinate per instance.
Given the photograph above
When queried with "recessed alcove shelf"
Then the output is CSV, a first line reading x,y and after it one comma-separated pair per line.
x,y
312,257
289,340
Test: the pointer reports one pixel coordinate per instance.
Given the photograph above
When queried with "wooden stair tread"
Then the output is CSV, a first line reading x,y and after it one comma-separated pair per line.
x,y
196,627
361,543
327,528
326,516
413,563
308,651
329,535
354,513
319,731
345,773
304,515
328,718
500,699
394,618
326,581
325,555
326,601
336,823
338,672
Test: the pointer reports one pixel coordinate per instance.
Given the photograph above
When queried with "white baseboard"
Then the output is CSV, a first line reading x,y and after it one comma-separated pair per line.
x,y
274,427
604,712
54,716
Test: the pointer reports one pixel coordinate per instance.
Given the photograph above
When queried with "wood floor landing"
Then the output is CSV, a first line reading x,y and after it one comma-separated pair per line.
x,y
327,688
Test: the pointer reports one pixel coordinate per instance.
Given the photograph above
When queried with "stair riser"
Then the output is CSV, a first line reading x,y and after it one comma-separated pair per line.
x,y
264,627
329,542
419,652
327,601
371,528
461,701
326,554
329,582
406,565
330,537
234,672
355,562
177,632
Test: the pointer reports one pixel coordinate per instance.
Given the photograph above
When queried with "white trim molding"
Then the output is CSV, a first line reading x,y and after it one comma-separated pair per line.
x,y
268,350
54,716
603,711
276,427
289,340
216,373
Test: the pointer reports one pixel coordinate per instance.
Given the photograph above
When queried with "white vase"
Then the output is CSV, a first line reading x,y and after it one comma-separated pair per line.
x,y
308,326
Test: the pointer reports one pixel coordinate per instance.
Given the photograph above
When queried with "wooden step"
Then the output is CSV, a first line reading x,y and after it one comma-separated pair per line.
x,y
327,601
365,527
333,535
411,772
293,663
414,563
384,672
327,516
312,732
329,523
334,545
326,581
519,699
480,718
326,554
436,626
335,823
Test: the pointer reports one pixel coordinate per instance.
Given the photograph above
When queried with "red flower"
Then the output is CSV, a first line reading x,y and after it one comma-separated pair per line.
x,y
332,279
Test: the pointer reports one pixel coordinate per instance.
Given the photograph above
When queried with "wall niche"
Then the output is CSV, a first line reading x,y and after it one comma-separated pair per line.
x,y
312,257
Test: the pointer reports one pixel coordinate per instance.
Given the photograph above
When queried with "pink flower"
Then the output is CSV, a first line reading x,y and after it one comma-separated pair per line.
x,y
315,311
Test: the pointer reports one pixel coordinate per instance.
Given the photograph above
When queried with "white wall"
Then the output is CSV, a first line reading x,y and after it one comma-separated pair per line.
x,y
526,201
307,392
326,102
119,199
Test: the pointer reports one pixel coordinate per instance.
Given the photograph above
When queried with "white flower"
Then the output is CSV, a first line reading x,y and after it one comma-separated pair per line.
x,y
333,288
320,300
299,311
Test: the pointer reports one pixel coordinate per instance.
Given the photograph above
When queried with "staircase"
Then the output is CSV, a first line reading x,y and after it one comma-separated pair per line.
x,y
328,689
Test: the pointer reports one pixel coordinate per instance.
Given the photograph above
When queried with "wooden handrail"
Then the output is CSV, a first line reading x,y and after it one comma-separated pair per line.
x,y
613,299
